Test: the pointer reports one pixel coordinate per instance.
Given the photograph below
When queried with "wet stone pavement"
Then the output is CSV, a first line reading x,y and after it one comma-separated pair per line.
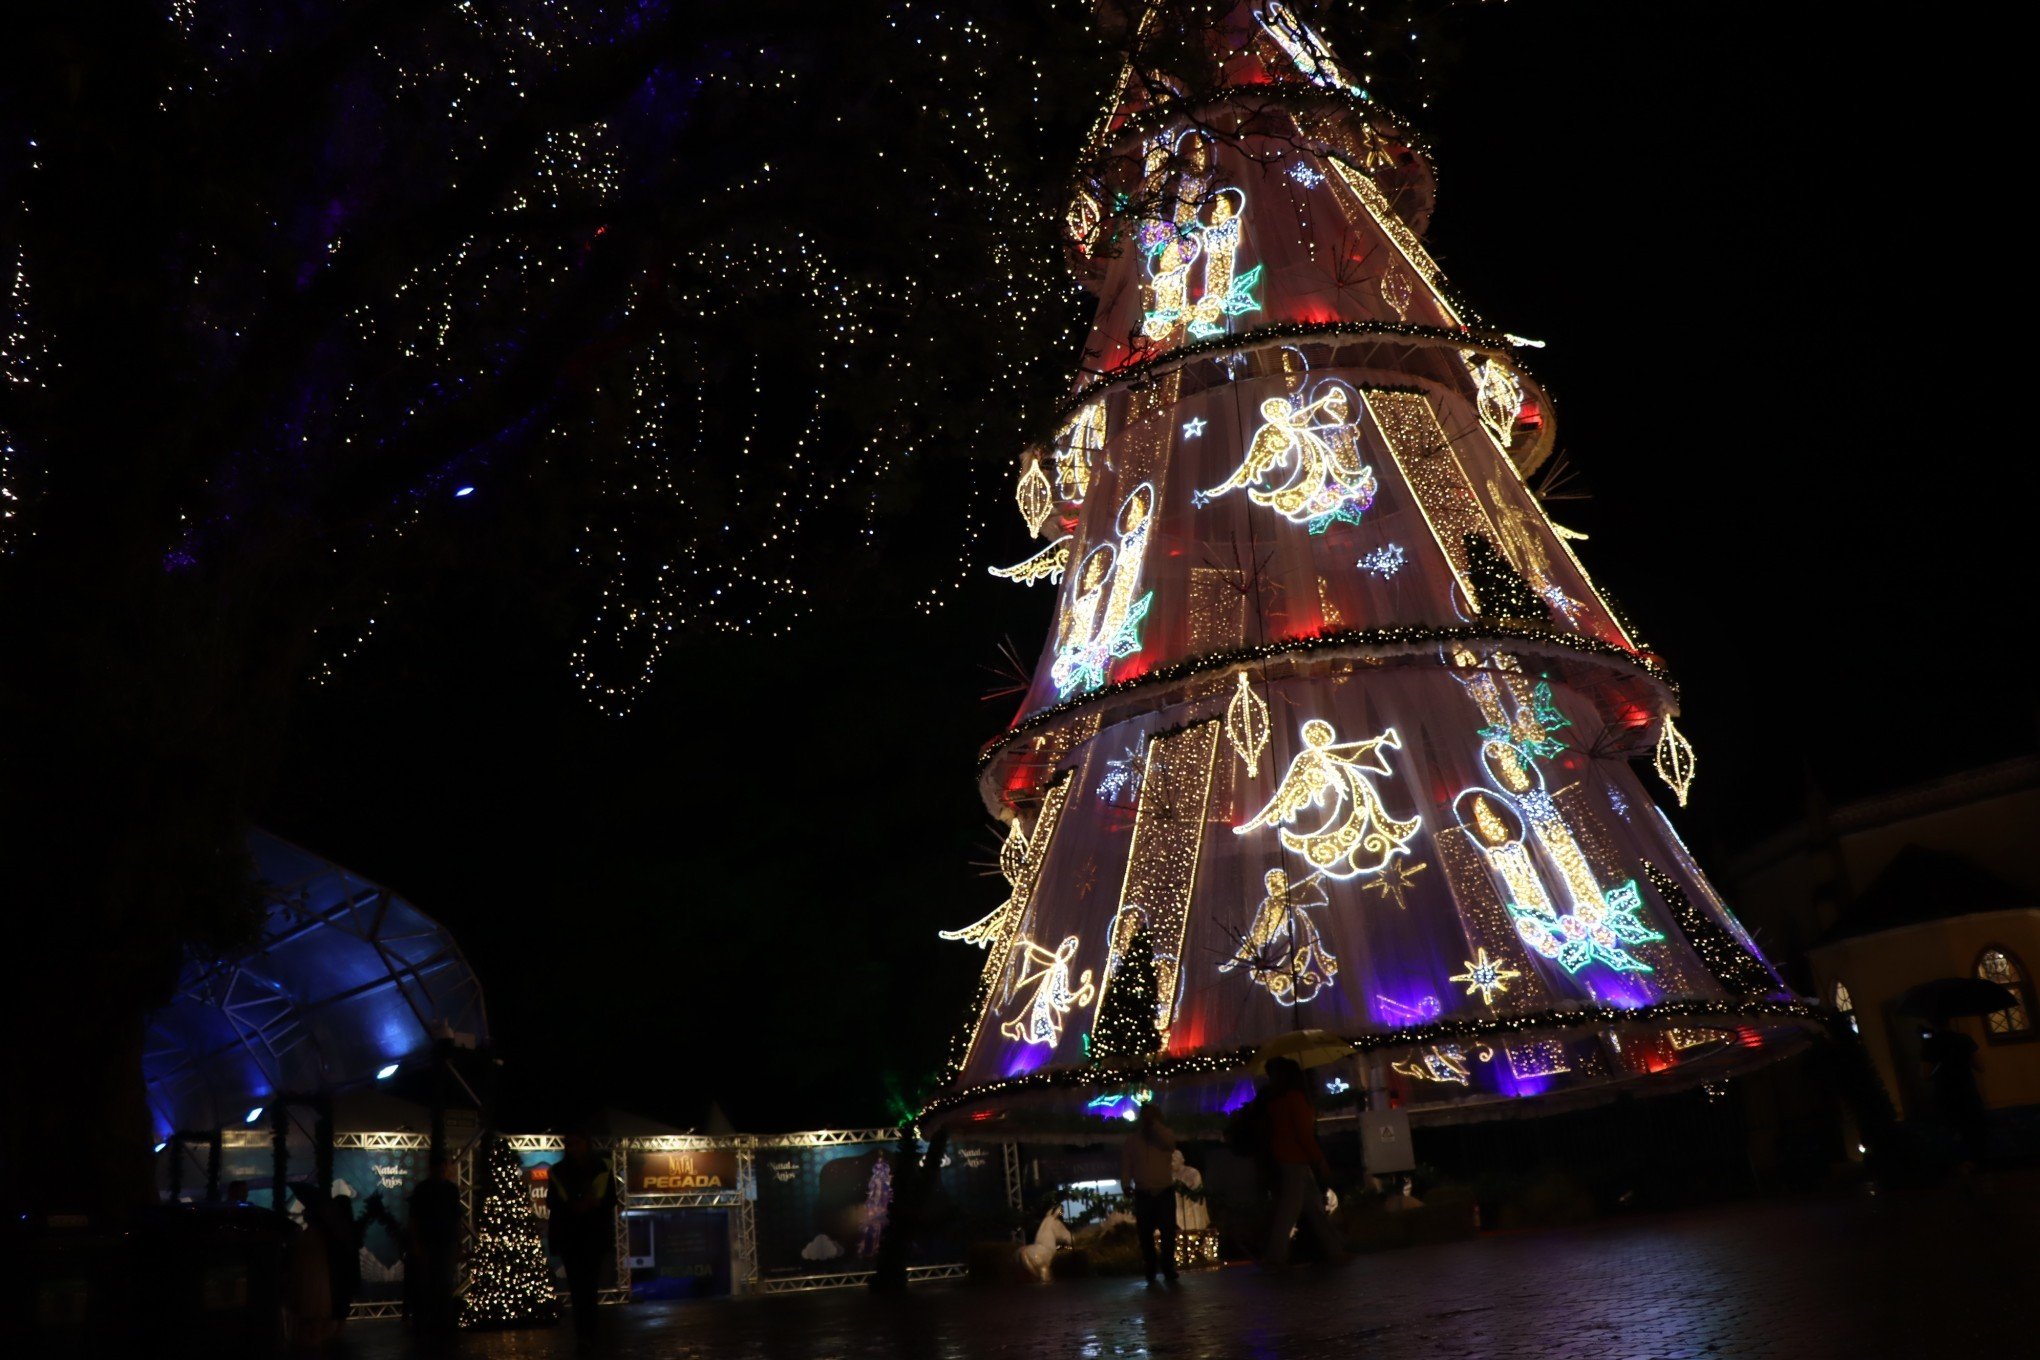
x,y
1952,1272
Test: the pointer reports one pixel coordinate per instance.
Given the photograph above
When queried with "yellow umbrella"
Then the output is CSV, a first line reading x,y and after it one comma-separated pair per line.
x,y
1304,1047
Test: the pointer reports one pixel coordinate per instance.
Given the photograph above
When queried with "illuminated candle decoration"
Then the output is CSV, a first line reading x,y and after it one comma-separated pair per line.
x,y
1048,972
1674,759
1486,976
1282,950
1524,722
1592,932
1304,460
1034,496
1103,618
1078,448
1358,836
1246,724
1047,565
1171,255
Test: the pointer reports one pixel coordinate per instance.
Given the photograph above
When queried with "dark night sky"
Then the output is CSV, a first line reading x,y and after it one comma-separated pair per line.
x,y
1753,252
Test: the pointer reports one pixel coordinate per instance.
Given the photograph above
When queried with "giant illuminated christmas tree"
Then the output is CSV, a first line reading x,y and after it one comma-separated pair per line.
x,y
1332,720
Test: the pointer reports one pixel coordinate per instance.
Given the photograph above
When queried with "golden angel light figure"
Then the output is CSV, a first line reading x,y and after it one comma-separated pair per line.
x,y
1358,837
1103,619
1283,951
1304,462
1048,971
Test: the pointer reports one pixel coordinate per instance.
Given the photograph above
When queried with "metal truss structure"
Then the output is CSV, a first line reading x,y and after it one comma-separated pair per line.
x,y
852,1279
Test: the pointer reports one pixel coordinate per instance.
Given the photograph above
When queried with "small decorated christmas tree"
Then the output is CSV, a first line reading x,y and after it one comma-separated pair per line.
x,y
1126,1022
511,1284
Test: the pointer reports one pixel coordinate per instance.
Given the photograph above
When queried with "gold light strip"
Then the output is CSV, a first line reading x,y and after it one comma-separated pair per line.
x,y
1425,458
1161,864
999,957
1398,233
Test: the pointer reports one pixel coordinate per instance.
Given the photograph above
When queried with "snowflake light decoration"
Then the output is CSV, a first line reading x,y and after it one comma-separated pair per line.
x,y
1385,561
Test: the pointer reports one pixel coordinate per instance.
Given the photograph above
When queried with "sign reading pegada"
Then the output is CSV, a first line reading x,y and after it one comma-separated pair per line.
x,y
694,1171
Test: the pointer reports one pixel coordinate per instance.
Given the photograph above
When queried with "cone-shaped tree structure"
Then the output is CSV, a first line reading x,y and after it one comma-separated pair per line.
x,y
1383,719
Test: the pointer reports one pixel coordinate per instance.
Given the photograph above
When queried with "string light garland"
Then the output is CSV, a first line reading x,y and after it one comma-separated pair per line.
x,y
1410,640
1140,371
1501,1028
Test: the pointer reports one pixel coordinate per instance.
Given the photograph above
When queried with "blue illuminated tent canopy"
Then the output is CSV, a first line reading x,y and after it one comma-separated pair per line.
x,y
346,979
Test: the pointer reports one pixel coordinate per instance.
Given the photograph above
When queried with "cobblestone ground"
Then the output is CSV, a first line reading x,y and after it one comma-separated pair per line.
x,y
1944,1273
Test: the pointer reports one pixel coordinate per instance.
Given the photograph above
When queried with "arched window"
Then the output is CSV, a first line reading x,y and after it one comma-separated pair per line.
x,y
2014,1022
1847,1006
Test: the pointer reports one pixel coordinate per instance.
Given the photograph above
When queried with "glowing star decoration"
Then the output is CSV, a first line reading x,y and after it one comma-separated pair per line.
x,y
1395,882
1306,174
1313,59
1440,1062
1674,759
1618,804
1170,258
1486,976
1048,972
1034,496
1103,618
1246,724
1304,460
1593,932
1497,394
1282,951
1193,427
1385,561
1358,836
1049,564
